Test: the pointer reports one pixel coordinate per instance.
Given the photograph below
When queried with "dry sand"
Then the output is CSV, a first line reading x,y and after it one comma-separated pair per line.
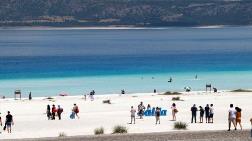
x,y
31,121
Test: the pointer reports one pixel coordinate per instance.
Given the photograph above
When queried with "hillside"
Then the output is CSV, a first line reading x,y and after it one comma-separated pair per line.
x,y
125,12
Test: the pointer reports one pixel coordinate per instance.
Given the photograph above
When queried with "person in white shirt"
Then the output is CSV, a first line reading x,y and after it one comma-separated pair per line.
x,y
133,115
231,117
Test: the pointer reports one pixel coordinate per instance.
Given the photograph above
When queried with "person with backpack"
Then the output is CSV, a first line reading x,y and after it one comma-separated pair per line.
x,y
76,110
59,112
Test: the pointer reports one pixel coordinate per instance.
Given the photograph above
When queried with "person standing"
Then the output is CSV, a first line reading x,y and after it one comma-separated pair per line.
x,y
238,116
48,112
207,112
141,109
231,117
54,110
76,110
201,114
133,115
9,121
59,112
174,111
1,123
194,113
157,115
211,113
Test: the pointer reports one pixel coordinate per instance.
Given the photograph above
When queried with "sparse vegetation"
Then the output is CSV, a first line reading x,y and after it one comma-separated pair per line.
x,y
176,99
180,125
106,101
99,131
241,90
62,134
171,93
119,129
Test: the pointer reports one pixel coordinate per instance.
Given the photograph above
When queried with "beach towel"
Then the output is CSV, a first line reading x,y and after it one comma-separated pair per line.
x,y
72,115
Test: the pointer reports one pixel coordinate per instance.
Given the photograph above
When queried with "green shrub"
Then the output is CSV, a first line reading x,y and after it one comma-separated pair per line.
x,y
171,93
176,98
99,131
241,90
120,129
180,125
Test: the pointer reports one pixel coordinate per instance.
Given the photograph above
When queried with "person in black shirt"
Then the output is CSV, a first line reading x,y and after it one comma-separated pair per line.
x,y
157,114
9,121
194,113
207,111
201,114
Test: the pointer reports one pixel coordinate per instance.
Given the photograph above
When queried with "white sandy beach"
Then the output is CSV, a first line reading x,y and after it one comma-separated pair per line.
x,y
31,121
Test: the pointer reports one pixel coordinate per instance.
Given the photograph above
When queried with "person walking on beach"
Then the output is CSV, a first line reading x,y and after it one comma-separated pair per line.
x,y
201,114
48,112
132,115
76,110
207,112
231,117
211,113
54,110
238,116
194,113
9,121
59,112
174,111
141,109
157,115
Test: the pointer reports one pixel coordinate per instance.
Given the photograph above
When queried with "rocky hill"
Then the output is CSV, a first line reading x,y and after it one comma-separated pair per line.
x,y
125,12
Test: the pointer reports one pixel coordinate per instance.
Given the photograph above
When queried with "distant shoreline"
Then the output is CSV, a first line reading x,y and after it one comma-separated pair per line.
x,y
113,27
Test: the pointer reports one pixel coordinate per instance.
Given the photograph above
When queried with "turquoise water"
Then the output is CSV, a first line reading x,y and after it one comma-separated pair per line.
x,y
76,61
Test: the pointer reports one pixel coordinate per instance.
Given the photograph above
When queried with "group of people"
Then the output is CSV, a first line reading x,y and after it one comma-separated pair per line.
x,y
208,111
140,113
234,116
90,95
53,112
8,122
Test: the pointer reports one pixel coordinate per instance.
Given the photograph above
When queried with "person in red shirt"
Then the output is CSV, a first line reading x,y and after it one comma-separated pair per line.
x,y
54,110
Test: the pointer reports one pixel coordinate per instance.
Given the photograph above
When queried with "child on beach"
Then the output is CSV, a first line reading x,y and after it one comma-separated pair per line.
x,y
231,117
207,113
157,115
174,111
238,116
133,115
201,114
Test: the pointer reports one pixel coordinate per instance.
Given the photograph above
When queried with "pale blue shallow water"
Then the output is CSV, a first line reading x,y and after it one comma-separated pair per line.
x,y
48,62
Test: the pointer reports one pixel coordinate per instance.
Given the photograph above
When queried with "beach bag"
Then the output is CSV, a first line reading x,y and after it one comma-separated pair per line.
x,y
4,128
72,115
175,110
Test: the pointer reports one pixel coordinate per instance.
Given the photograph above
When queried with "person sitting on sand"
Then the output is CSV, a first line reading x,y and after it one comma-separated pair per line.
x,y
231,117
157,115
54,110
76,110
59,112
141,109
201,114
238,116
211,113
174,111
48,112
148,107
194,113
9,121
133,115
207,113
